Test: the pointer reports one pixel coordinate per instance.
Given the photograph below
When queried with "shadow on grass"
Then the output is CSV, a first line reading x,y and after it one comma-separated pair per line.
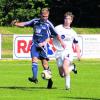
x,y
24,88
81,98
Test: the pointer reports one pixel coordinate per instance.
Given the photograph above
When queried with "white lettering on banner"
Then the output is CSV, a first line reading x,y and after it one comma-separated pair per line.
x,y
0,46
91,46
22,45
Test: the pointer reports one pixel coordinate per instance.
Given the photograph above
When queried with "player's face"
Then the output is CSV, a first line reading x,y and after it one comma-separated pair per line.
x,y
67,20
44,16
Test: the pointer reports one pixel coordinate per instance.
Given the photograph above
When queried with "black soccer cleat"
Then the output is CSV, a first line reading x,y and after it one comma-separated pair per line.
x,y
33,80
50,83
74,70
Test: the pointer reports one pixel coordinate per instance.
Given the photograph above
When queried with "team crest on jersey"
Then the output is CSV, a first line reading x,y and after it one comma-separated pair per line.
x,y
43,27
62,36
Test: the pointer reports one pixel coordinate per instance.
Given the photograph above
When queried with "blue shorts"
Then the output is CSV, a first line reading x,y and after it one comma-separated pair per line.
x,y
38,52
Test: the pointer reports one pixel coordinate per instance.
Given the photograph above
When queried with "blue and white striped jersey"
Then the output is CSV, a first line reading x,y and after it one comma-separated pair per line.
x,y
42,29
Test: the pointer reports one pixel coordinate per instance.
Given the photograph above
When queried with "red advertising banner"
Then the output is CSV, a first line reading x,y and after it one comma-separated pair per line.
x,y
22,45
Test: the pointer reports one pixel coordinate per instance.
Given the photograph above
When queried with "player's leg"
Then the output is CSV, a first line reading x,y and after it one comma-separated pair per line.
x,y
50,83
34,56
67,73
60,66
72,66
45,64
61,71
46,67
63,67
34,70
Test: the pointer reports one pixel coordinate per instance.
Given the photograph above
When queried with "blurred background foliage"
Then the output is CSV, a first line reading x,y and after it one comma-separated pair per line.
x,y
87,12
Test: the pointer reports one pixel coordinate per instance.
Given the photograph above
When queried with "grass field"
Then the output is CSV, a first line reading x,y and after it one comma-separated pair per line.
x,y
29,30
15,86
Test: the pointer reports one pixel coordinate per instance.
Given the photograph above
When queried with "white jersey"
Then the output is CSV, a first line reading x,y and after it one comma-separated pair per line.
x,y
69,36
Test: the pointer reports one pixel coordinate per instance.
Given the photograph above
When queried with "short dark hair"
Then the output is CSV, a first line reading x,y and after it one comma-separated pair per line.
x,y
44,10
69,14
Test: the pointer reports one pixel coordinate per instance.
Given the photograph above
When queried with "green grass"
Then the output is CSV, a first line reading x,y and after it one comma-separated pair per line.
x,y
87,30
7,46
15,30
28,30
15,86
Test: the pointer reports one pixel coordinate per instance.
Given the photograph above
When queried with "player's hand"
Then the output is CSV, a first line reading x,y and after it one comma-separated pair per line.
x,y
63,45
42,44
14,22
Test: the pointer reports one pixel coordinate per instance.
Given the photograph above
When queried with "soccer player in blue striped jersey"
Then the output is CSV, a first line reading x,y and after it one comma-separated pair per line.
x,y
43,30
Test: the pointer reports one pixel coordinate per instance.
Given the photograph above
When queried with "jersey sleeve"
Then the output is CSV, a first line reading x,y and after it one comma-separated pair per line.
x,y
58,28
31,22
52,30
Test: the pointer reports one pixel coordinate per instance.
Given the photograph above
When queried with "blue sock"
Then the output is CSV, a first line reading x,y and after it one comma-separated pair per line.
x,y
34,69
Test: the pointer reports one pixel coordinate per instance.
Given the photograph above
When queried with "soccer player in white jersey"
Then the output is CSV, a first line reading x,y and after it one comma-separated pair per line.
x,y
64,57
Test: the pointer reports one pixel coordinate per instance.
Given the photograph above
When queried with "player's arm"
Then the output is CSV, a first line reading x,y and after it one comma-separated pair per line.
x,y
62,43
77,47
20,24
44,42
54,33
78,51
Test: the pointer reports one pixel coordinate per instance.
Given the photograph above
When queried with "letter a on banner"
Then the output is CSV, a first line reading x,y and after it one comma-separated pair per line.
x,y
21,46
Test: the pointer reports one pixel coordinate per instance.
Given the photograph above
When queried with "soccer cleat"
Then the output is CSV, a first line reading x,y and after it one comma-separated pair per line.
x,y
50,83
33,80
74,70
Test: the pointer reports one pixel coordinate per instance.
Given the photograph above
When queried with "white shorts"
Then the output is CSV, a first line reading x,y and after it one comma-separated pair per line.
x,y
61,55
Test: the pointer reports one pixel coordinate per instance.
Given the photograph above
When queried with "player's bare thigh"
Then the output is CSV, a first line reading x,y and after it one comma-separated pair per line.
x,y
45,63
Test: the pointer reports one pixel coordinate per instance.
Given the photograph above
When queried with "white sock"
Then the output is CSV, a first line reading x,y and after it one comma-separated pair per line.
x,y
71,67
67,81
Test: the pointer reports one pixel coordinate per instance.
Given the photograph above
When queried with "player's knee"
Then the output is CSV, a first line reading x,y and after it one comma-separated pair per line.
x,y
59,62
34,59
45,63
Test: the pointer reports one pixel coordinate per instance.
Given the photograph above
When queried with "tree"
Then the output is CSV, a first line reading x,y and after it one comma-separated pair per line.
x,y
19,9
86,11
